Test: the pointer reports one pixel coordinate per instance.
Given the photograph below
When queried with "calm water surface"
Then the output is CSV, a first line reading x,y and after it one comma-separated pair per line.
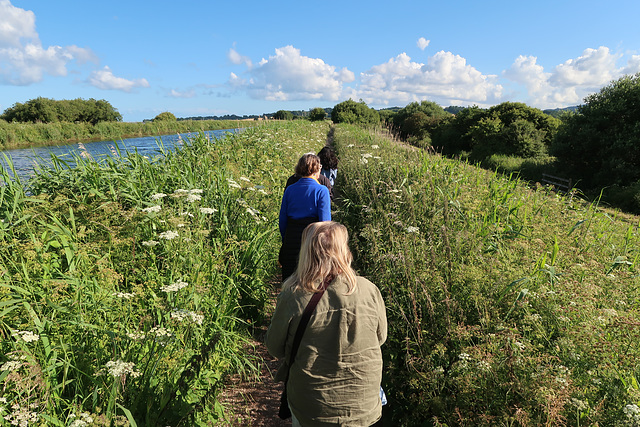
x,y
24,159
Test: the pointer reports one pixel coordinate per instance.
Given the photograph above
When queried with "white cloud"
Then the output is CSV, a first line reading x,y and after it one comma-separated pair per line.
x,y
288,76
445,78
23,59
105,79
570,82
423,43
238,59
181,94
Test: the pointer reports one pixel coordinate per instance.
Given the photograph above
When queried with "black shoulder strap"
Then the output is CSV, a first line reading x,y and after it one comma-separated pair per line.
x,y
304,320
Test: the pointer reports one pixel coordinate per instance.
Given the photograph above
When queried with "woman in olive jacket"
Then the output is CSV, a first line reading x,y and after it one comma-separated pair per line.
x,y
336,375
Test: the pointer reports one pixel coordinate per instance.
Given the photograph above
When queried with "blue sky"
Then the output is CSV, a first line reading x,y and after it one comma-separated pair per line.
x,y
199,58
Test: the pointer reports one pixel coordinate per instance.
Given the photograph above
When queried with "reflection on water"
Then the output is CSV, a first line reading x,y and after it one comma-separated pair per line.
x,y
24,160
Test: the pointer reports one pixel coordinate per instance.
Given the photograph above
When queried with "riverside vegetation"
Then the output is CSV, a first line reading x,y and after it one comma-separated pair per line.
x,y
129,286
23,135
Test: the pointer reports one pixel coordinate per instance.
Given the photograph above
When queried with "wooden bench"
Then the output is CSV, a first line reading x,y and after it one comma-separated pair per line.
x,y
562,184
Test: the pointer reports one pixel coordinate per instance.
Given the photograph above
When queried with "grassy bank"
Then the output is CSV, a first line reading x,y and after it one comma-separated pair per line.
x,y
128,287
507,306
24,135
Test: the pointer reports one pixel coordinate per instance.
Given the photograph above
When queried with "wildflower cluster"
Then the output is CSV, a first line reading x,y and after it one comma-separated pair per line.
x,y
119,368
174,287
181,315
27,336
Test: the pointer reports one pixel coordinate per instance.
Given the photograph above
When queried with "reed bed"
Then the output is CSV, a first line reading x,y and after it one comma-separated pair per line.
x,y
508,305
129,286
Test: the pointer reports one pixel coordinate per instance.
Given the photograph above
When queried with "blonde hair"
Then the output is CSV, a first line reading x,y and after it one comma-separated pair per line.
x,y
308,165
324,252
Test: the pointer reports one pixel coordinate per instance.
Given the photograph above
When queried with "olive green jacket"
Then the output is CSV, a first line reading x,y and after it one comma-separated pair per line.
x,y
335,378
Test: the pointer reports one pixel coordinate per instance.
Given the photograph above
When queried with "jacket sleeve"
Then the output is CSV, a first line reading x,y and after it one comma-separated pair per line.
x,y
324,204
276,338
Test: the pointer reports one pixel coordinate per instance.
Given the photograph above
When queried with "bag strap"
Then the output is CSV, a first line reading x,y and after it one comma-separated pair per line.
x,y
304,320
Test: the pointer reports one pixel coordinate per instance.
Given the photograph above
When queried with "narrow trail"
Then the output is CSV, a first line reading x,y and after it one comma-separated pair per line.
x,y
256,402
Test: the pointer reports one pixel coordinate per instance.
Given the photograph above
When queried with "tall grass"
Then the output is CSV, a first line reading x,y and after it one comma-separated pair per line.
x,y
129,285
507,305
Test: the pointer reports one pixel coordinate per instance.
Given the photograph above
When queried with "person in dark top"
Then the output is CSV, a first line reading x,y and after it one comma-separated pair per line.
x,y
329,162
303,202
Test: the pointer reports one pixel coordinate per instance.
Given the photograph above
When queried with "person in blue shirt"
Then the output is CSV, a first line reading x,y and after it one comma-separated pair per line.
x,y
303,203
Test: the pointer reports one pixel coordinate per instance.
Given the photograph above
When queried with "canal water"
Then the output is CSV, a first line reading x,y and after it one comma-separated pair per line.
x,y
24,160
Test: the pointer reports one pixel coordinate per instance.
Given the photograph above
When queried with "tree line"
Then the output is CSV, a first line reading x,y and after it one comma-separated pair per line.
x,y
45,110
596,144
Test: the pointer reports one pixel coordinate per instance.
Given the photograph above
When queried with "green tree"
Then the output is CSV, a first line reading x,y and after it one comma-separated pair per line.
x,y
283,115
599,145
418,119
317,114
45,110
165,116
354,113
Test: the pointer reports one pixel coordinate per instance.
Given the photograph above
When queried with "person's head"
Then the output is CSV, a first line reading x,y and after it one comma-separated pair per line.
x,y
308,165
328,158
324,252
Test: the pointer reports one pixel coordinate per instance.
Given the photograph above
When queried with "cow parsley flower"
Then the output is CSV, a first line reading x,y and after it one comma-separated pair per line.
x,y
208,211
27,336
153,209
412,229
174,287
119,368
168,235
150,243
158,196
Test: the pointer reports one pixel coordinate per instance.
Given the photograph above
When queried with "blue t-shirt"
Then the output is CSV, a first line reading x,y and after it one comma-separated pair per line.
x,y
304,199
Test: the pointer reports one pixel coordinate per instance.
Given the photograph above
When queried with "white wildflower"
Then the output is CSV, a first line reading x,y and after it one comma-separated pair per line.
x,y
119,368
484,366
350,145
158,196
196,191
244,178
168,235
11,365
193,198
367,155
27,336
233,184
153,209
123,295
439,370
181,315
174,287
464,357
364,161
208,211
150,243
189,214
375,147
412,229
135,335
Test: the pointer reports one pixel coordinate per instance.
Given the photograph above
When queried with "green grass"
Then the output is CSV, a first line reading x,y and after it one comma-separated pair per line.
x,y
129,286
508,306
